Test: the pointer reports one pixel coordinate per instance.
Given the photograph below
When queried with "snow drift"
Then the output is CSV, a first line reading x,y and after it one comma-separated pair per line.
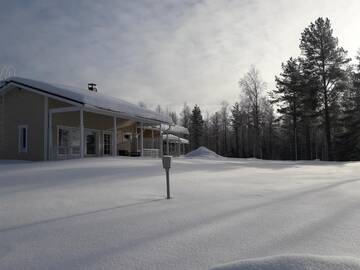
x,y
203,152
294,262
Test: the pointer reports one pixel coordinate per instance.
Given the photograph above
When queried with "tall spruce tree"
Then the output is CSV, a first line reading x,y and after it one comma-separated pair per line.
x,y
196,127
224,122
289,97
348,141
326,61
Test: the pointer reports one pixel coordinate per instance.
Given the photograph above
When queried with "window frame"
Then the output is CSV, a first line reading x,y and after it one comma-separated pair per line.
x,y
21,148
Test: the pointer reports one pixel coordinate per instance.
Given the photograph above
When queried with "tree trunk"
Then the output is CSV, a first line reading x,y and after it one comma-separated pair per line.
x,y
307,142
237,141
295,132
328,153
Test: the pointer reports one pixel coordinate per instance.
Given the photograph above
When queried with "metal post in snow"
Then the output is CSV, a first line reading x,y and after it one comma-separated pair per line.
x,y
167,165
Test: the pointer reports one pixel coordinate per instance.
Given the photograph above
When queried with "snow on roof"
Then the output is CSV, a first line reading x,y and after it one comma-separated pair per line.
x,y
174,138
294,262
171,129
93,99
176,129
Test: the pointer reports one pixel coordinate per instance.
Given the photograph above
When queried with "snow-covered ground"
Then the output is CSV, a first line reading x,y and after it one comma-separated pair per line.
x,y
110,213
294,262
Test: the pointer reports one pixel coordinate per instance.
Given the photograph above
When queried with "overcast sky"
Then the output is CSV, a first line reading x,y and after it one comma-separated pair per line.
x,y
163,52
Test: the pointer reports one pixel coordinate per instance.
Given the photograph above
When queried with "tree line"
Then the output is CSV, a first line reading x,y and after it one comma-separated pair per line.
x,y
313,112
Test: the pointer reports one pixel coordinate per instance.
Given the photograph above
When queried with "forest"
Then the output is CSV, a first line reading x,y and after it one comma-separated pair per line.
x,y
313,112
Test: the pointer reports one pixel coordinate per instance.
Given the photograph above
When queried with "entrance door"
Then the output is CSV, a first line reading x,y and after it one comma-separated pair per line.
x,y
91,143
107,144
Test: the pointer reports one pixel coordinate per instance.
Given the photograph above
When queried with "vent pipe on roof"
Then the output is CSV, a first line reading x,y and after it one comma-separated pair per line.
x,y
92,87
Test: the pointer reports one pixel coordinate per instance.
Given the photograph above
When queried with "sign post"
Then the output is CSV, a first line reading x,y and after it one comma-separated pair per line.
x,y
167,165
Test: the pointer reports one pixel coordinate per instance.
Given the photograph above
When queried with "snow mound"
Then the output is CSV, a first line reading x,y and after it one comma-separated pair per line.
x,y
203,152
294,262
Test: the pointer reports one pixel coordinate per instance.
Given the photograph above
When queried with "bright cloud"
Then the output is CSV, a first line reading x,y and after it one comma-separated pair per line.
x,y
163,52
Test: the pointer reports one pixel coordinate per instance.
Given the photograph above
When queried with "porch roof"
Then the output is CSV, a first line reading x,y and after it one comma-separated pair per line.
x,y
174,138
171,129
91,99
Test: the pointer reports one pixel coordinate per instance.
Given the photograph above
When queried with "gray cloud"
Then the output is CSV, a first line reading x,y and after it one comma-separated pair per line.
x,y
163,52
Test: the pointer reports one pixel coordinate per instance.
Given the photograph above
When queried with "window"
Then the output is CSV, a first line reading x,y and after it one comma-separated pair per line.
x,y
68,141
23,138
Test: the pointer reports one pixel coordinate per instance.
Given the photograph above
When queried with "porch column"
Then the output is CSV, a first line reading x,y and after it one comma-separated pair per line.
x,y
46,127
167,144
114,137
179,142
137,139
161,143
82,148
50,137
152,138
142,138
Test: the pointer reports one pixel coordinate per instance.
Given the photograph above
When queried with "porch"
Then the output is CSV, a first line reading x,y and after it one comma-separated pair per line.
x,y
77,132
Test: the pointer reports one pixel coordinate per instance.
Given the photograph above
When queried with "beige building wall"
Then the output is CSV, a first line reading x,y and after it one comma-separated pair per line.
x,y
23,107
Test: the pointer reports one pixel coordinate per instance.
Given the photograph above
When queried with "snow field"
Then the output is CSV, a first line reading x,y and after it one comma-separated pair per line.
x,y
110,213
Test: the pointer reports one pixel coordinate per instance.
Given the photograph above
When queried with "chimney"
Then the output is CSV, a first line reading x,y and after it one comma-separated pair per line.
x,y
92,87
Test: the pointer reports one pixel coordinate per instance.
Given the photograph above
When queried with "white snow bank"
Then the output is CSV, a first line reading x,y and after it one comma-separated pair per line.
x,y
294,262
11,161
203,152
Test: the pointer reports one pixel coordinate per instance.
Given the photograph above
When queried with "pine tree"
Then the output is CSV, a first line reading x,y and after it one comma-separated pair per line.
x,y
236,122
224,122
325,60
196,127
288,96
349,140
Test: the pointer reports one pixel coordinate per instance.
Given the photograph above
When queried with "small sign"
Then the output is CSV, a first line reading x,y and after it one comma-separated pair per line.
x,y
166,162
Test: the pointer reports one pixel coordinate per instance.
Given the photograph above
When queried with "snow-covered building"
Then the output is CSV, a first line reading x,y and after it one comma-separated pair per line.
x,y
174,142
45,121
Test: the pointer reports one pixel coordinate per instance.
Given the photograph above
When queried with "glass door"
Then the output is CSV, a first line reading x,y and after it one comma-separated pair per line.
x,y
107,144
91,143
